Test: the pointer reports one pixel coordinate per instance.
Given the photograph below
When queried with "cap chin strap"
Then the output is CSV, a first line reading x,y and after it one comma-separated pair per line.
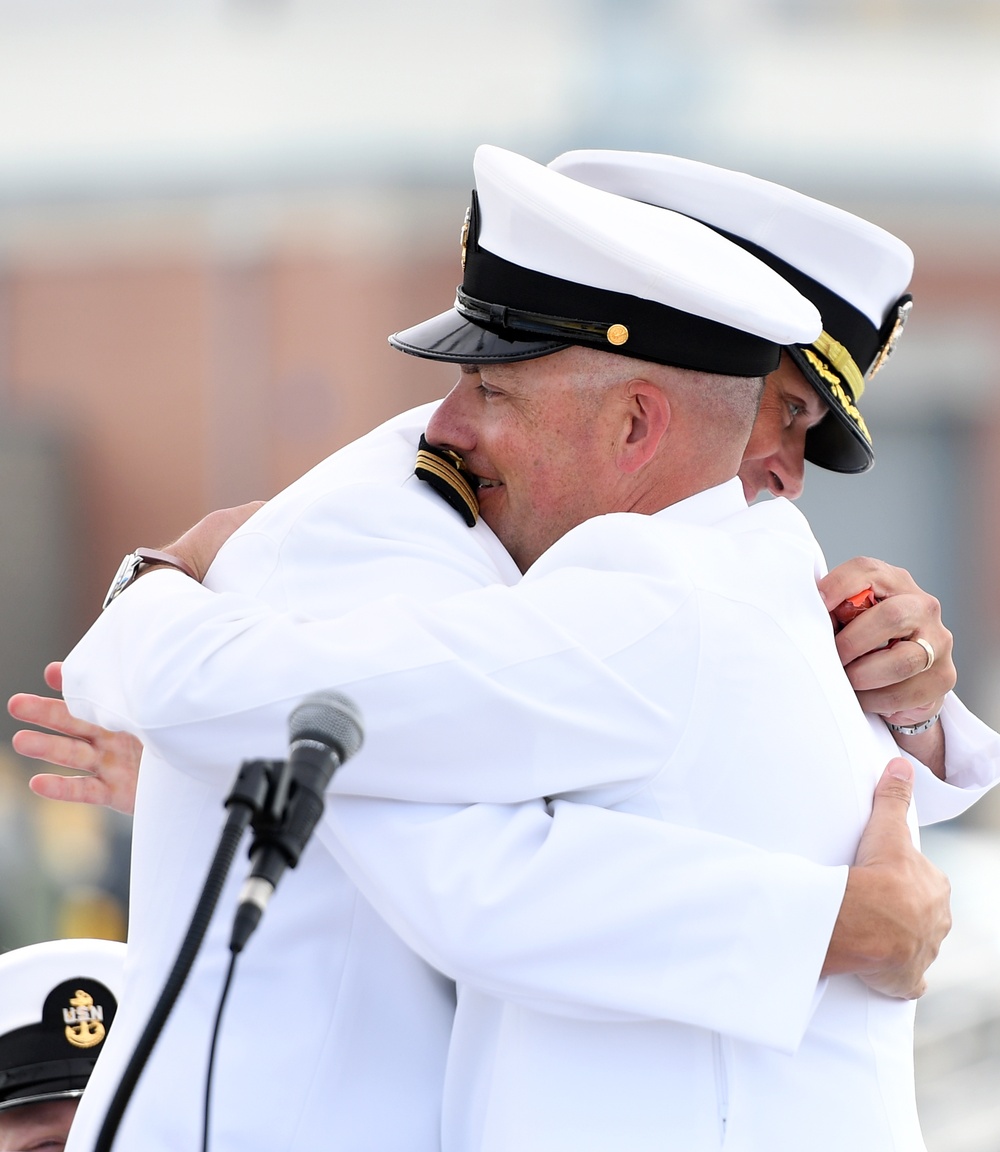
x,y
537,323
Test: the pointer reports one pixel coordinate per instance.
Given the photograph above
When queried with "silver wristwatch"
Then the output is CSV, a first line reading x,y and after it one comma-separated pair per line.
x,y
133,565
915,729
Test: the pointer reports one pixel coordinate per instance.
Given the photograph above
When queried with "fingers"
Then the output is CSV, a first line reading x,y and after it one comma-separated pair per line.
x,y
902,660
53,676
70,789
896,617
904,700
884,664
109,760
887,829
894,790
48,712
64,751
900,986
896,908
863,572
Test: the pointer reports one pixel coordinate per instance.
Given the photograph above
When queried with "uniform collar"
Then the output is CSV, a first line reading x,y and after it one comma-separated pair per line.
x,y
708,507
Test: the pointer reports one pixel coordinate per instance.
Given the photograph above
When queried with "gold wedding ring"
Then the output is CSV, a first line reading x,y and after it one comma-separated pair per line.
x,y
928,648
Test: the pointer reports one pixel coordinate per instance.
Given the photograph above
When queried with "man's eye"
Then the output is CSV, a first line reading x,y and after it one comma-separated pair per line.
x,y
795,410
485,390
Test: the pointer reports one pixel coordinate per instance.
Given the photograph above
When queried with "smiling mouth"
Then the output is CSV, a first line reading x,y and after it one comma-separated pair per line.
x,y
482,482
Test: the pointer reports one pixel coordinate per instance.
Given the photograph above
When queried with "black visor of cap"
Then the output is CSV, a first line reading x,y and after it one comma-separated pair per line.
x,y
506,312
450,337
837,443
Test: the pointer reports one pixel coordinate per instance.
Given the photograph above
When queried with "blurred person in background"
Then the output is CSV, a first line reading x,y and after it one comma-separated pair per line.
x,y
57,1001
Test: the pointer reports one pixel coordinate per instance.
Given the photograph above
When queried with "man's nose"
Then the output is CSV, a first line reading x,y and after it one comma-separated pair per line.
x,y
785,473
450,426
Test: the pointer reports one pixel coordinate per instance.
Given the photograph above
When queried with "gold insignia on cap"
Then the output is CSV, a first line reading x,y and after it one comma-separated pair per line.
x,y
84,1020
902,315
617,334
465,233
839,392
840,360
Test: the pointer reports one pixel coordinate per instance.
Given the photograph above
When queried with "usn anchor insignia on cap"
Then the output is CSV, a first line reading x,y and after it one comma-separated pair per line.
x,y
84,1020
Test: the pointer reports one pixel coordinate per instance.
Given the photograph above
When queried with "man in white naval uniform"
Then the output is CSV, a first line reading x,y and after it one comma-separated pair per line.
x,y
365,1018
154,733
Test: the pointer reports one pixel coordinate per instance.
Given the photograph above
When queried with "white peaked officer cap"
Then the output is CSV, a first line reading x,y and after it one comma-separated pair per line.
x,y
57,1002
854,272
550,262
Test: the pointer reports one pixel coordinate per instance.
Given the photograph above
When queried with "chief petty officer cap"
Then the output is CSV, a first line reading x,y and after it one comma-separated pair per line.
x,y
550,262
57,1002
854,272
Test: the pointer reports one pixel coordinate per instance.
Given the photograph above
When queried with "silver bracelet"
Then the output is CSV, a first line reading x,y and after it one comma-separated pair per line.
x,y
913,729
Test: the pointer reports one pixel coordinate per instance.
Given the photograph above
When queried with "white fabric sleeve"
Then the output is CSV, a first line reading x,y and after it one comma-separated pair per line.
x,y
209,679
972,766
594,913
199,692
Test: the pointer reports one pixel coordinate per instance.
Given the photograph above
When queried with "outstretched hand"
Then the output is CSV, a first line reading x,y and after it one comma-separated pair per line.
x,y
108,762
896,909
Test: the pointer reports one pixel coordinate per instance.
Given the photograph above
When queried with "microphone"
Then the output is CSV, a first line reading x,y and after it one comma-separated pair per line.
x,y
324,731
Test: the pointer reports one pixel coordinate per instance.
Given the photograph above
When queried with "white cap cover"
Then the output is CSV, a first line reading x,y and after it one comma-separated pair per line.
x,y
550,262
852,270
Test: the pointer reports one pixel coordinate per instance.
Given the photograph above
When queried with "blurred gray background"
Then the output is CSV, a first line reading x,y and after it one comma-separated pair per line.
x,y
212,212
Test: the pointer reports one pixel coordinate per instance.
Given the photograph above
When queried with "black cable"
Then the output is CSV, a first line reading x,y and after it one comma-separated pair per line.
x,y
211,1054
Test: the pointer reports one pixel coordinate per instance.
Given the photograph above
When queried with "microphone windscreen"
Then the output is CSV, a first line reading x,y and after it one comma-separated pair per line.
x,y
329,718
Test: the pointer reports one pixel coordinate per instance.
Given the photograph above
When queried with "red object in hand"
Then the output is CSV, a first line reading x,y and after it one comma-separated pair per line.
x,y
854,605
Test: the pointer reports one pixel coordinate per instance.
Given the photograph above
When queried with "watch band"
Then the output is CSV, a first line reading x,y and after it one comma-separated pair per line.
x,y
914,729
151,556
133,565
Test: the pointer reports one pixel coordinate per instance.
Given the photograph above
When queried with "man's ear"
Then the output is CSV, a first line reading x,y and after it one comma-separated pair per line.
x,y
647,420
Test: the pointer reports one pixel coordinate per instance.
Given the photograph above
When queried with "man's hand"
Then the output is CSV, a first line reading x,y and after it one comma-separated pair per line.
x,y
199,545
109,761
891,680
884,663
896,909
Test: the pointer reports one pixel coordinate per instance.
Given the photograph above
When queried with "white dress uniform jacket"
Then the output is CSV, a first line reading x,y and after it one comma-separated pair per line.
x,y
335,1033
751,975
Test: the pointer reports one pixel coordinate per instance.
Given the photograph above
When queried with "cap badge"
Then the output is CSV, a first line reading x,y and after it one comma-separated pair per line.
x,y
902,315
466,223
84,1020
617,334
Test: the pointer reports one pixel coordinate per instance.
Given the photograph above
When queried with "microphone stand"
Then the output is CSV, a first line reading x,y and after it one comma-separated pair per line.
x,y
282,800
258,795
